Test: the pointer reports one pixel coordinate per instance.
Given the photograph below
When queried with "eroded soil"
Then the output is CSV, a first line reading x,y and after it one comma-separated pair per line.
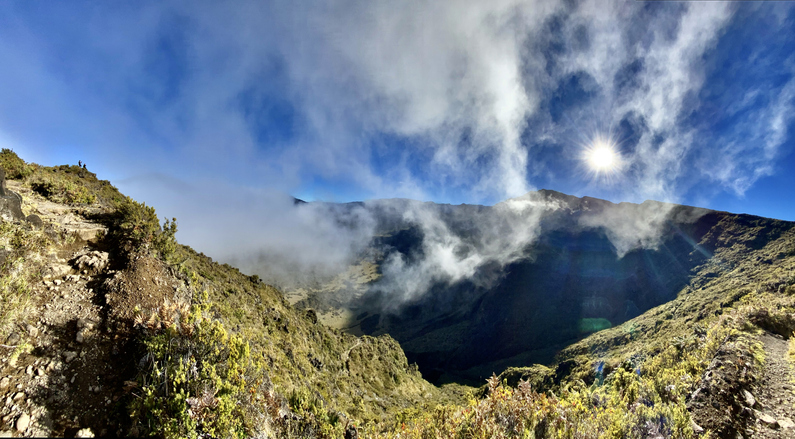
x,y
77,376
774,410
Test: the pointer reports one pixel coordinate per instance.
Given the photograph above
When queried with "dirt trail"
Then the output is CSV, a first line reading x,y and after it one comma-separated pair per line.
x,y
774,394
64,385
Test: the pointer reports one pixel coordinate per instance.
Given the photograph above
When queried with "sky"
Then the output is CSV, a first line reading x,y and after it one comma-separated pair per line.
x,y
185,104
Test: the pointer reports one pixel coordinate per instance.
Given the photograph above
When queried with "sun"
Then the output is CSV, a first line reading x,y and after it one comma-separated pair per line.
x,y
602,157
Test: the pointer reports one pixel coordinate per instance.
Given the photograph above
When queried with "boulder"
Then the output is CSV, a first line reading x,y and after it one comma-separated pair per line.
x,y
10,202
765,418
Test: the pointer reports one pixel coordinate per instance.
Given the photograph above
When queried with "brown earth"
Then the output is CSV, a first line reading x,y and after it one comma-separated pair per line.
x,y
736,398
77,377
774,410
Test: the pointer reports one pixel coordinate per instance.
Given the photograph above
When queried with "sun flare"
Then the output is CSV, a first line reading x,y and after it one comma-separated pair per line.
x,y
602,157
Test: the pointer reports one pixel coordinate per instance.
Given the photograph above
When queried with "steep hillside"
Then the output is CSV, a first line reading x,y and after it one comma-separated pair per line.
x,y
111,325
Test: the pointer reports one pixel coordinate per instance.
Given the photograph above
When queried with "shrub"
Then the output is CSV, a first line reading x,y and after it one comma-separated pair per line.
x,y
193,377
135,225
15,167
63,191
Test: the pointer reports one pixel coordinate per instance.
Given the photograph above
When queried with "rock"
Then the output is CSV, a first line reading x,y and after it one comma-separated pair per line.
x,y
23,422
697,429
55,270
10,202
69,356
81,335
765,418
57,282
39,372
4,383
29,370
35,221
85,432
32,330
6,433
84,323
19,396
785,423
92,261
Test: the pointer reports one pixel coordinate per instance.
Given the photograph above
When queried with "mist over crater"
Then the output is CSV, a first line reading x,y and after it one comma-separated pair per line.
x,y
466,287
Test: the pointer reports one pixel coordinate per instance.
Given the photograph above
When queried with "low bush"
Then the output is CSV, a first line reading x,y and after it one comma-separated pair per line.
x,y
193,379
135,225
63,191
15,167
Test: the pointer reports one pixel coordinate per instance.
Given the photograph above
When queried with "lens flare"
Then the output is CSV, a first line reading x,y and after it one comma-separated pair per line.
x,y
602,157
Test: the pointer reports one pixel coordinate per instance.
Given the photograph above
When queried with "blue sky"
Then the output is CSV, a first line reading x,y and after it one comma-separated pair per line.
x,y
458,102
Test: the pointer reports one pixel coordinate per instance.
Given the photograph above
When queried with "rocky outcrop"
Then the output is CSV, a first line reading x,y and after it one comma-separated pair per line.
x,y
10,202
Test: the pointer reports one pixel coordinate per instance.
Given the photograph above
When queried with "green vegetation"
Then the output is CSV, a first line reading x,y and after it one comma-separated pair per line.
x,y
15,167
64,191
640,397
65,184
135,225
199,379
22,248
326,378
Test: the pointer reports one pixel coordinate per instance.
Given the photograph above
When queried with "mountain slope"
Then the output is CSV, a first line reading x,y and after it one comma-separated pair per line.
x,y
587,265
213,351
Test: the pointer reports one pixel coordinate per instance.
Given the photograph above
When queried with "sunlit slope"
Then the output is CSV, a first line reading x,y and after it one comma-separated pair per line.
x,y
750,257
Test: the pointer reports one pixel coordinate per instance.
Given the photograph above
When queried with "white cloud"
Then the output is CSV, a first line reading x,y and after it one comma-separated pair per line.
x,y
427,73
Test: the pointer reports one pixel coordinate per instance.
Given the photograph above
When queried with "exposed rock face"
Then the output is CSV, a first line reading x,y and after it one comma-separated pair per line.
x,y
10,202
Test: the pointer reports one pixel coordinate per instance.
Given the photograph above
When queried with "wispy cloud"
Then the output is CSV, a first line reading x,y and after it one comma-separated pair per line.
x,y
459,100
